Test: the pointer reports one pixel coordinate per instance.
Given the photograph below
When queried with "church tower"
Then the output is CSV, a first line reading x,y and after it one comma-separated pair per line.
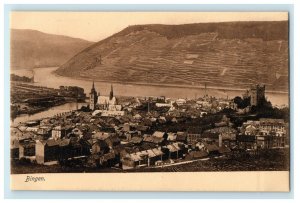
x,y
111,94
93,98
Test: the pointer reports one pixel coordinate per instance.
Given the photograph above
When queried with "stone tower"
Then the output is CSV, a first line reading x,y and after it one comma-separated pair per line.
x,y
93,98
257,95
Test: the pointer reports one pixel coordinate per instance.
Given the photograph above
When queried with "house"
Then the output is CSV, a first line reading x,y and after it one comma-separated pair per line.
x,y
172,137
137,117
212,149
64,149
141,158
196,155
136,140
108,113
181,137
251,130
224,150
85,145
32,123
26,148
276,128
277,125
44,131
101,135
115,107
142,128
108,160
144,157
154,155
127,127
79,131
264,142
14,149
221,135
59,132
113,140
130,161
46,151
162,119
73,148
163,105
29,129
193,138
99,146
154,140
246,141
159,134
175,151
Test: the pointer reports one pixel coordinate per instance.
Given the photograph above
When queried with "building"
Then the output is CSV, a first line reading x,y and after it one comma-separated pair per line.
x,y
256,93
108,113
14,149
160,134
142,158
93,98
59,132
108,102
246,141
26,148
46,151
193,138
277,126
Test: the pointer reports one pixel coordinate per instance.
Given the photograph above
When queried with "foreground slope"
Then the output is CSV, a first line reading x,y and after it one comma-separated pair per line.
x,y
234,54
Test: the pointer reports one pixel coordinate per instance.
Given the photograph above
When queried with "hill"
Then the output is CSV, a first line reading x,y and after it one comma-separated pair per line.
x,y
231,54
31,48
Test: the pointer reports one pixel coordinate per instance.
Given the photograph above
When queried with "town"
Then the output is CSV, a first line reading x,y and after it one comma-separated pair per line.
x,y
116,133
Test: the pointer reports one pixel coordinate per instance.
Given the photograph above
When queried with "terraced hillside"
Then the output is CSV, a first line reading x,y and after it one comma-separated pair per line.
x,y
233,55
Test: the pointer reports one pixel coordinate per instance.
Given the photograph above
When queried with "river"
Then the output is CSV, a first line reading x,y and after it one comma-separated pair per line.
x,y
46,77
47,113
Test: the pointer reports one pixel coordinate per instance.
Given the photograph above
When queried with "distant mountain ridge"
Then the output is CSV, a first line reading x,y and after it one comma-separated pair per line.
x,y
230,54
32,48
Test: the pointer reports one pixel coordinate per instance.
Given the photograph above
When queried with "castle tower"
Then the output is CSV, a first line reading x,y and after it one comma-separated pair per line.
x,y
111,94
257,95
93,97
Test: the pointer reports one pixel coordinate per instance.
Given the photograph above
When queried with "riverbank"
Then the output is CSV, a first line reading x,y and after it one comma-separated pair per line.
x,y
34,109
202,87
47,77
51,111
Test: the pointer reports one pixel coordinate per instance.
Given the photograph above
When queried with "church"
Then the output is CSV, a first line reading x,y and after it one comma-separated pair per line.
x,y
99,102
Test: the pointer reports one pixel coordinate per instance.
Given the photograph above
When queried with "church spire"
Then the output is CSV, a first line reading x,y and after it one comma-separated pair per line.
x,y
93,97
111,95
93,87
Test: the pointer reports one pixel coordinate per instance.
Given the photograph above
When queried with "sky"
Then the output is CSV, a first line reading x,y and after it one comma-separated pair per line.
x,y
95,26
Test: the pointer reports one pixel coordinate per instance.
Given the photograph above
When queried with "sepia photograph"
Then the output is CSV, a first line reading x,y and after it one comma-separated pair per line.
x,y
149,93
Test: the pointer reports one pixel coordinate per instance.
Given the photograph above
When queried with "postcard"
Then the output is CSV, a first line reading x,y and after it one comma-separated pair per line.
x,y
149,101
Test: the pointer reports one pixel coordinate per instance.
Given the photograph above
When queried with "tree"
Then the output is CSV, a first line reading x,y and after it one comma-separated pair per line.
x,y
242,103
